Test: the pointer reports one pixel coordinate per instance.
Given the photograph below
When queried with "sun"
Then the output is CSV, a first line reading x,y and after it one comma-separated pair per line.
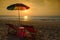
x,y
25,17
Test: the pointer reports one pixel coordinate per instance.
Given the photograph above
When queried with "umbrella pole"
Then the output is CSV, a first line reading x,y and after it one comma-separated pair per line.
x,y
18,17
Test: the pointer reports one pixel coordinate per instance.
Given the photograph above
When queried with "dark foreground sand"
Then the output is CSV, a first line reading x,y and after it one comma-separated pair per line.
x,y
45,30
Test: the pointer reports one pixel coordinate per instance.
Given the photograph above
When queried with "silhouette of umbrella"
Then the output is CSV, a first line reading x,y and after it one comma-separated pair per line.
x,y
18,6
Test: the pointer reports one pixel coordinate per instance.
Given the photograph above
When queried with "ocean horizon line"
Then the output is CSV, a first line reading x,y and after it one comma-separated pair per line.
x,y
34,18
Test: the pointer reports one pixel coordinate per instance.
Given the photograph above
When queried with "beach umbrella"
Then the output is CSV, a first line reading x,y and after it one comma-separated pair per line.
x,y
18,6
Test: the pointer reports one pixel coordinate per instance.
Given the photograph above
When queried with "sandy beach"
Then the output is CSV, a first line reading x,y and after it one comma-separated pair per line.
x,y
45,30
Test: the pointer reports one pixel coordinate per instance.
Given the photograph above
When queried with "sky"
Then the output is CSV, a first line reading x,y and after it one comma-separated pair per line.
x,y
37,7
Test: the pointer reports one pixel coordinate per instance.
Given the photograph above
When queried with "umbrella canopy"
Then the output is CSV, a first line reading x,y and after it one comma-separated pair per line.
x,y
17,6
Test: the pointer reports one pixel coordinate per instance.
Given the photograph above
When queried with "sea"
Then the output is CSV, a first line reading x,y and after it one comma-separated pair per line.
x,y
31,18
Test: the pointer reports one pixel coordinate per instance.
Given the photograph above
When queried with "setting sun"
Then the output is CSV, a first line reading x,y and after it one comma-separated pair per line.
x,y
25,18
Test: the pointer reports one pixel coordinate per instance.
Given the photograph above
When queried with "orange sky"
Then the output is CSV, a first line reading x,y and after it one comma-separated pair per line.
x,y
37,7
